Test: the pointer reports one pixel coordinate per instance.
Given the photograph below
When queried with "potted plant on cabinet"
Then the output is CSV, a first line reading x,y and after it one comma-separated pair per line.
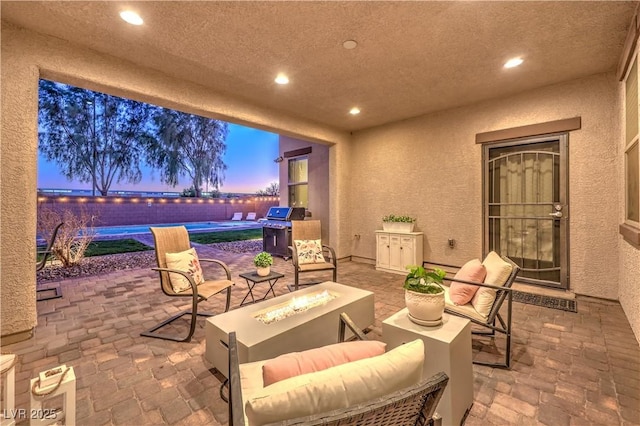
x,y
263,262
424,295
395,223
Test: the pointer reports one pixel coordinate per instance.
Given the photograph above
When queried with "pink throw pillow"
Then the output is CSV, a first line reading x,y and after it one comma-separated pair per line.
x,y
461,293
296,363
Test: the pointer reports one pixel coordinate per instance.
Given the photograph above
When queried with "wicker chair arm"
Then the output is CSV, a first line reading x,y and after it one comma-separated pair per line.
x,y
236,411
194,287
346,321
221,263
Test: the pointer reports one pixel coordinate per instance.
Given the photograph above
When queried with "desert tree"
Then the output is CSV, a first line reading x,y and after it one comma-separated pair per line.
x,y
272,190
93,137
189,145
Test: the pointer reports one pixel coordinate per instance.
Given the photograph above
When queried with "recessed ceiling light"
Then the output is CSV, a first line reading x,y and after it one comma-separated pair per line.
x,y
349,44
131,17
354,111
513,62
282,79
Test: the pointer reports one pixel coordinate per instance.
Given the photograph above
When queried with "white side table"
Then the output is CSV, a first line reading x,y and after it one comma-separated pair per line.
x,y
8,369
447,348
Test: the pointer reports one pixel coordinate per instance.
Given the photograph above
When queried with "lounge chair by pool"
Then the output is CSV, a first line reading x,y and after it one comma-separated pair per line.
x,y
237,216
251,216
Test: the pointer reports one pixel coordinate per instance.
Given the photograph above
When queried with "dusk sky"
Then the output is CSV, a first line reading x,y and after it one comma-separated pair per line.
x,y
249,159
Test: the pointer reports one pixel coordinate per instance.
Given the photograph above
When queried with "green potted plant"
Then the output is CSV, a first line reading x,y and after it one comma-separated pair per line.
x,y
263,262
395,223
424,295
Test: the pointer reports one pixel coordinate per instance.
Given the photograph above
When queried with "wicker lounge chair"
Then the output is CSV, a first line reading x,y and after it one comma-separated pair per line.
x,y
414,405
175,239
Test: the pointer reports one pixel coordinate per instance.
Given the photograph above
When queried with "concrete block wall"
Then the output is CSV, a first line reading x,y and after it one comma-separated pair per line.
x,y
113,211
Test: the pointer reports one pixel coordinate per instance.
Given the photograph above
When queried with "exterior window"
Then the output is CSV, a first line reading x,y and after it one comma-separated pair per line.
x,y
630,229
633,183
299,182
632,150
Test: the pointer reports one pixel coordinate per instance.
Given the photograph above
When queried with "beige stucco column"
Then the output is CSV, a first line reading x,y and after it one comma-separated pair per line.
x,y
18,155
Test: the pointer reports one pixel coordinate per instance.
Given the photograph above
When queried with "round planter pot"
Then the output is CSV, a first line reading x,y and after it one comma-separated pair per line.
x,y
425,309
263,272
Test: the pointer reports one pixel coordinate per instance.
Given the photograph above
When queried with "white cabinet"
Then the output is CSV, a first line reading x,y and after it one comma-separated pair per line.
x,y
396,250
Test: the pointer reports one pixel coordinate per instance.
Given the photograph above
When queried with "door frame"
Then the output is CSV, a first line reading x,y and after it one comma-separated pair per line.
x,y
563,141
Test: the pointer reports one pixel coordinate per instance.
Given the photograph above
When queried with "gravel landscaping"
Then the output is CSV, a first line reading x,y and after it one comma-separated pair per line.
x,y
142,259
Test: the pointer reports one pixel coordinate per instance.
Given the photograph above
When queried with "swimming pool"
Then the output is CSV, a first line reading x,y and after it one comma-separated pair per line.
x,y
121,231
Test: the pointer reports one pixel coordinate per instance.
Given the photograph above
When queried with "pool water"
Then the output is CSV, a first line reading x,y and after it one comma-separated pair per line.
x,y
114,231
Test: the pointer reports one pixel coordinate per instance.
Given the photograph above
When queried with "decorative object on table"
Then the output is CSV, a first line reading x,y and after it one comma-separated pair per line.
x,y
395,223
263,262
424,295
55,384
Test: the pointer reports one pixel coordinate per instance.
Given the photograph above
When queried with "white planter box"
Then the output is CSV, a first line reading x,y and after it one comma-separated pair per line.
x,y
398,226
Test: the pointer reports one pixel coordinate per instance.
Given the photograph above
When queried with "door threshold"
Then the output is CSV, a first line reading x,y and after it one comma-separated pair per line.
x,y
544,291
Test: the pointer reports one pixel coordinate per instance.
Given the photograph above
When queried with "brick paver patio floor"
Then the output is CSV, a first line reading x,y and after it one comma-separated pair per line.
x,y
568,368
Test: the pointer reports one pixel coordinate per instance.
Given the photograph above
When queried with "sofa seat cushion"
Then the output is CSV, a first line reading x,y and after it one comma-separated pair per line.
x,y
467,310
339,387
296,363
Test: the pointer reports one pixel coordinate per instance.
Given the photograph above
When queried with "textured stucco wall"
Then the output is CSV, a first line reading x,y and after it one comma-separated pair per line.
x,y
26,56
430,167
318,180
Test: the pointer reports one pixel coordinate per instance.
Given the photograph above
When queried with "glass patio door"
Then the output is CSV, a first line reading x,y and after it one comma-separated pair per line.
x,y
526,207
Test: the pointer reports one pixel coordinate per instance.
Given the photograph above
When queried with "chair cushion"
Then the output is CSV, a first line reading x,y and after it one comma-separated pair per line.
x,y
466,310
184,261
498,272
296,363
462,293
309,251
339,387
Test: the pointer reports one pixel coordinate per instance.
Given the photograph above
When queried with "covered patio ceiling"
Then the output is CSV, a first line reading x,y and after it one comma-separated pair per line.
x,y
411,58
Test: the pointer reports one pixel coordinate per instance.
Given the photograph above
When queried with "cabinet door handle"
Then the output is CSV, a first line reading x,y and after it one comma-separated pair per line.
x,y
387,245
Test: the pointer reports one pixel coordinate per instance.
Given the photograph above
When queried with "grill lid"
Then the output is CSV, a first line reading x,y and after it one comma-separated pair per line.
x,y
285,213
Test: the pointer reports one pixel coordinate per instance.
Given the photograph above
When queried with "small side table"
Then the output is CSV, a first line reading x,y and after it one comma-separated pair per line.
x,y
253,278
447,347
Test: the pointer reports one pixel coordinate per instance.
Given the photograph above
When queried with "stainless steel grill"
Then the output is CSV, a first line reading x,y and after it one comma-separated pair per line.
x,y
276,229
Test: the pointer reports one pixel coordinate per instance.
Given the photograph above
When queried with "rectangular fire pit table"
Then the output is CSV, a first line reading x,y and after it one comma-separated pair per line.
x,y
299,331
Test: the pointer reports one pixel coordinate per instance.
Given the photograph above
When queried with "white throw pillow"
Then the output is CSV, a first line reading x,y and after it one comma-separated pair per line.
x,y
340,387
498,272
184,261
309,251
